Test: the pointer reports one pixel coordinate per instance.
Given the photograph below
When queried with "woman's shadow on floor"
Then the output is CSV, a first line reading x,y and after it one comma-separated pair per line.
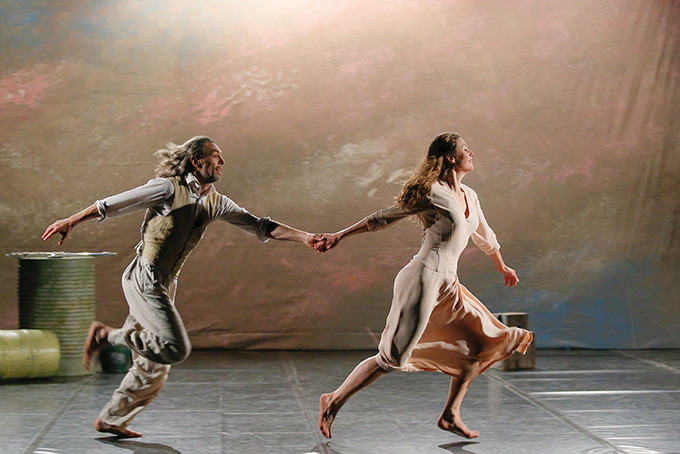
x,y
455,448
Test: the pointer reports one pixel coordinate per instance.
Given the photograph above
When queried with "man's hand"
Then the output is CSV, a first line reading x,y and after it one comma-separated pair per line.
x,y
328,242
314,241
63,227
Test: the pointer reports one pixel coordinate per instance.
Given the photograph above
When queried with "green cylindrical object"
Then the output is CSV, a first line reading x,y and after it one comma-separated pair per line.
x,y
28,353
56,293
115,359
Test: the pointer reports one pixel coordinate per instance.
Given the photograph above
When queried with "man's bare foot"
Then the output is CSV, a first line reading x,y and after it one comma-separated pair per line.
x,y
96,339
121,432
456,426
326,415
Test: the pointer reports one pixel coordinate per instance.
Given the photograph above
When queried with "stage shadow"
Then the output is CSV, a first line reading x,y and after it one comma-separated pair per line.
x,y
323,448
456,448
459,447
138,447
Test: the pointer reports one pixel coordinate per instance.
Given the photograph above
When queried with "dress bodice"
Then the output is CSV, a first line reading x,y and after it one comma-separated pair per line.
x,y
447,228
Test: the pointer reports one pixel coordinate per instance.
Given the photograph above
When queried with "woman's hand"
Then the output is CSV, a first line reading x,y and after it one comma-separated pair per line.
x,y
508,273
329,241
314,241
510,276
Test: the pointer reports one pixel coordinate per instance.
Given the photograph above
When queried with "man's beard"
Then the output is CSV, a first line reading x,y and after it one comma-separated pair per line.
x,y
214,178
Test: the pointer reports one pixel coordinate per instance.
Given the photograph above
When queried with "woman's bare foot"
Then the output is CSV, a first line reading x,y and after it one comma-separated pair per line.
x,y
121,432
456,426
96,339
327,414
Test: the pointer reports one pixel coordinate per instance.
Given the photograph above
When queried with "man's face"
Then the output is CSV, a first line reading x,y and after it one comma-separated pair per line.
x,y
209,167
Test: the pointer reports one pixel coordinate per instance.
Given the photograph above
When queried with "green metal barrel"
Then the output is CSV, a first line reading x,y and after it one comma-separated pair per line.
x,y
28,353
57,293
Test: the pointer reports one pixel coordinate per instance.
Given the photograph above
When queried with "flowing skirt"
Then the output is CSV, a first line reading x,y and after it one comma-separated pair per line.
x,y
436,324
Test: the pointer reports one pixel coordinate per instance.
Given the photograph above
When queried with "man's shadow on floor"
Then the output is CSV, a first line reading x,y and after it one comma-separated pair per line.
x,y
459,447
138,447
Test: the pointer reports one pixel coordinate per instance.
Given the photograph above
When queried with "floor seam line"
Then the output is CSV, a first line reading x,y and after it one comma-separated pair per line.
x,y
648,361
58,414
299,395
514,389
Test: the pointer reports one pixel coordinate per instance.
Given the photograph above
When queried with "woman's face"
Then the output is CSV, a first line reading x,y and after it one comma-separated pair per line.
x,y
463,157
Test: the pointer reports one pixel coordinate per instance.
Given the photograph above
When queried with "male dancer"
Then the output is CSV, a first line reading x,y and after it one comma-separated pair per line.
x,y
179,203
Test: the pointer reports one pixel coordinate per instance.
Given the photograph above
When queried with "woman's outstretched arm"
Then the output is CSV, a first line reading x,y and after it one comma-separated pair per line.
x,y
330,240
377,221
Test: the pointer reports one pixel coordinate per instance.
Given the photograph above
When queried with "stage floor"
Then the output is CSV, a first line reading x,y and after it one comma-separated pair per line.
x,y
581,401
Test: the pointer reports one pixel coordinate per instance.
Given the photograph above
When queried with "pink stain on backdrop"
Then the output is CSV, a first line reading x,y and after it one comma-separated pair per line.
x,y
28,87
367,62
588,172
211,97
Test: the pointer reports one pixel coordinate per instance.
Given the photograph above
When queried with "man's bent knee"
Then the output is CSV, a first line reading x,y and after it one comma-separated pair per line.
x,y
176,353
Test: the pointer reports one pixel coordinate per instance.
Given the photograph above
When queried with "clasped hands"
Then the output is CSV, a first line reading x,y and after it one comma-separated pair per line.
x,y
323,242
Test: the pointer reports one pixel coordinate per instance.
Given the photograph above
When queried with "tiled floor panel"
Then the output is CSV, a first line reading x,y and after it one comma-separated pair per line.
x,y
219,402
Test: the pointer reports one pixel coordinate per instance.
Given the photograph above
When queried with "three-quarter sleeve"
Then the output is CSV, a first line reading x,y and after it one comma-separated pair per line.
x,y
229,211
483,236
151,194
382,219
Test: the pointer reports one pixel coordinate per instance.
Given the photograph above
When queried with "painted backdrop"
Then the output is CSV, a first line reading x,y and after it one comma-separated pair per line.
x,y
572,109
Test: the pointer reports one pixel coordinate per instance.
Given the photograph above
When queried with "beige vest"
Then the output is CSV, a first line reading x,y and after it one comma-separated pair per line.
x,y
168,240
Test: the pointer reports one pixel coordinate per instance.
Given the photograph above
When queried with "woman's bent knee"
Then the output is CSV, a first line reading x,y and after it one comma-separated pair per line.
x,y
387,365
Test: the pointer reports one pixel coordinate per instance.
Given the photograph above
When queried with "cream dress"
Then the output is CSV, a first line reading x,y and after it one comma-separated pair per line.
x,y
434,322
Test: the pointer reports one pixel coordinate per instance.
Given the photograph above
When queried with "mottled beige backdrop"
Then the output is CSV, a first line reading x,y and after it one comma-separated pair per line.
x,y
320,106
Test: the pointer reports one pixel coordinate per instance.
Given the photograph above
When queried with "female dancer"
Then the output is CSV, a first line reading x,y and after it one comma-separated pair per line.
x,y
434,322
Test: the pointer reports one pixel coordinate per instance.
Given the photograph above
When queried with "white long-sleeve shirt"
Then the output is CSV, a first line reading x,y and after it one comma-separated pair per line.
x,y
158,195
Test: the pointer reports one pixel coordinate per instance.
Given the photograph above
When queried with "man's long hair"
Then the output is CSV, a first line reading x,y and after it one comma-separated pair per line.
x,y
176,159
433,167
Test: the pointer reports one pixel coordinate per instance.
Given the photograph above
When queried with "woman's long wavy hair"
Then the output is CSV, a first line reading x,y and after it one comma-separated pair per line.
x,y
176,159
413,196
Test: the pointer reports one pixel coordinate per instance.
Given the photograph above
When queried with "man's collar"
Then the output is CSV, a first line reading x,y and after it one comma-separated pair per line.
x,y
193,183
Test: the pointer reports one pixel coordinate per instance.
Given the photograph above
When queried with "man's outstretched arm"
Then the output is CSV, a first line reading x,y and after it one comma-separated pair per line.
x,y
155,192
283,232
